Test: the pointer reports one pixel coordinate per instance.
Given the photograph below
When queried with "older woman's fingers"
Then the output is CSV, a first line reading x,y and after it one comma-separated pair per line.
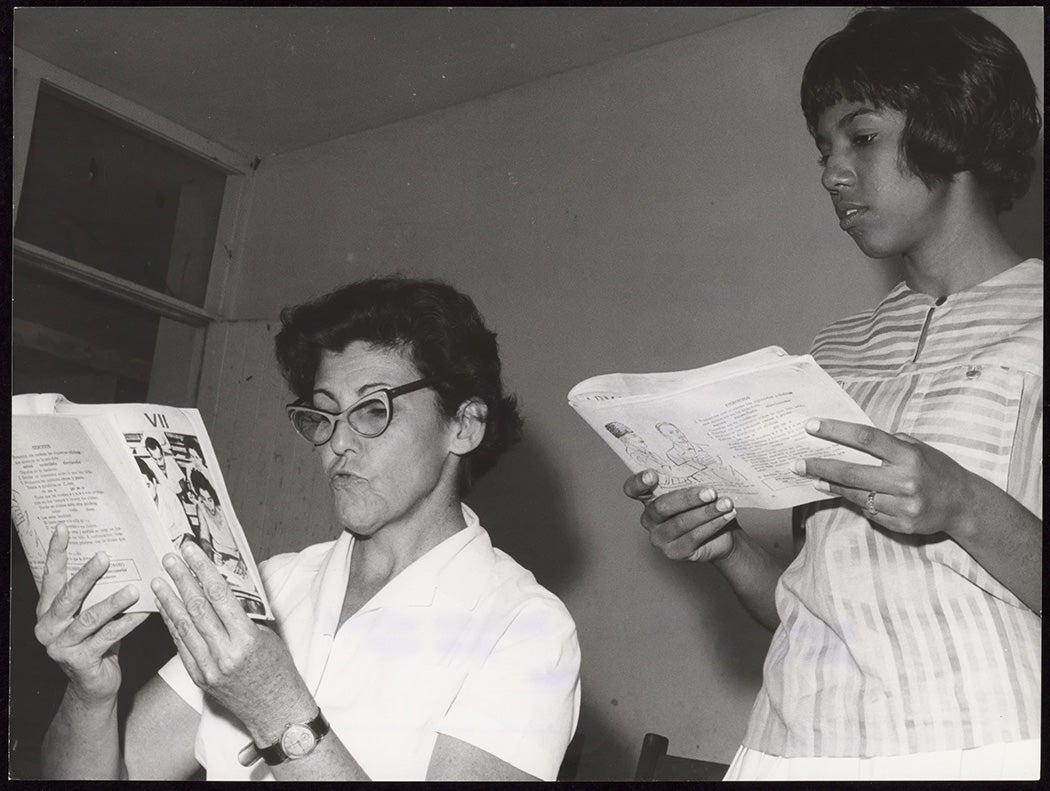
x,y
215,589
182,626
54,569
113,631
188,660
191,605
97,618
70,597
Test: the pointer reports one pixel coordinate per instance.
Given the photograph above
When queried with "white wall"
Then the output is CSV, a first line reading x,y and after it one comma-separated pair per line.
x,y
655,212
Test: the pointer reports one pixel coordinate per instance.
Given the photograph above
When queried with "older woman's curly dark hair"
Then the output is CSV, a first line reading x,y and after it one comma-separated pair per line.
x,y
965,89
440,330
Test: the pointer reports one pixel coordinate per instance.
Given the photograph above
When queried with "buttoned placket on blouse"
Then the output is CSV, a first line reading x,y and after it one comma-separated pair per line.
x,y
926,327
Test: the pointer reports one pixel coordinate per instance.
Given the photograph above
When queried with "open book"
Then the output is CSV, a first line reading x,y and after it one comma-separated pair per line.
x,y
736,425
133,480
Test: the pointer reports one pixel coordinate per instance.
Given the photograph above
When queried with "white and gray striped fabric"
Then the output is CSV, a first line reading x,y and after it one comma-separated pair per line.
x,y
892,644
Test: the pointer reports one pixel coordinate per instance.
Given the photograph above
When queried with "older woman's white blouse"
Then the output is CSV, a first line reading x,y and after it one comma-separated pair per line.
x,y
463,642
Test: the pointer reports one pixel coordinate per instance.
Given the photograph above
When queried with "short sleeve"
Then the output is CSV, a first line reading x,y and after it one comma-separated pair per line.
x,y
174,673
522,703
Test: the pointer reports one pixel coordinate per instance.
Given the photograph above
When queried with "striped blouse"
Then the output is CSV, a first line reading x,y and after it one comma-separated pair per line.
x,y
892,644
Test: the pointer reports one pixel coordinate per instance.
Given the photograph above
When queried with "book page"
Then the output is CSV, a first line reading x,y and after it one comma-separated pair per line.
x,y
58,476
168,451
641,387
738,433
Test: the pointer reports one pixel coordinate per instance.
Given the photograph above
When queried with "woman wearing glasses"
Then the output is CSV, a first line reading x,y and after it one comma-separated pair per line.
x,y
405,648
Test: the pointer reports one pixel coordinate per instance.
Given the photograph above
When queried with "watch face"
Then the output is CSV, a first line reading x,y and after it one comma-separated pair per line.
x,y
298,740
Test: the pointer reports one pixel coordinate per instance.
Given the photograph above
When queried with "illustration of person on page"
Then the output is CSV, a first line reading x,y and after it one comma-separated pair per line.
x,y
686,453
639,451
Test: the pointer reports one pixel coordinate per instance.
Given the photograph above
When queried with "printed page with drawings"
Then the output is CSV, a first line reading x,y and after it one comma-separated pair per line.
x,y
135,480
736,425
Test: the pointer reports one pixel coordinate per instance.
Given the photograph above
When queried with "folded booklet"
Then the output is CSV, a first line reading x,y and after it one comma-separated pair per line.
x,y
134,480
736,425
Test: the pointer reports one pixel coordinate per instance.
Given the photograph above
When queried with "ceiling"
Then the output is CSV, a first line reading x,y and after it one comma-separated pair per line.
x,y
268,80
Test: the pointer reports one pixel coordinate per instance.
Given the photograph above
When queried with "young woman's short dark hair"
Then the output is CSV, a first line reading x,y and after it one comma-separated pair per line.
x,y
439,329
965,89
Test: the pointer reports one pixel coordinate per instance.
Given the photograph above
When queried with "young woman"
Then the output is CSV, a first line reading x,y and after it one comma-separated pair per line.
x,y
907,629
408,647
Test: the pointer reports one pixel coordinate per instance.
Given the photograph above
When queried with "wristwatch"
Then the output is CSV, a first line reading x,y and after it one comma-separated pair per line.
x,y
297,741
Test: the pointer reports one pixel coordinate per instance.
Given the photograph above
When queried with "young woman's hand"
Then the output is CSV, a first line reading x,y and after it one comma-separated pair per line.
x,y
916,489
84,643
244,666
684,524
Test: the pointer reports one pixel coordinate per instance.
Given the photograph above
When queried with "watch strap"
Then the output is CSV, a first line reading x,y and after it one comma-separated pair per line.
x,y
275,754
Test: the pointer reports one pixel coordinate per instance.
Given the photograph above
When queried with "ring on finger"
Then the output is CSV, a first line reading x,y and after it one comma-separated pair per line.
x,y
871,504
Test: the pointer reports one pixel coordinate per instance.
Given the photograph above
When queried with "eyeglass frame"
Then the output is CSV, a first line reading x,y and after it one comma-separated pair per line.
x,y
386,393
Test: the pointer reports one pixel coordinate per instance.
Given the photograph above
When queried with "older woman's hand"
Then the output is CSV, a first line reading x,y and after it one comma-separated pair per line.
x,y
84,643
916,489
244,666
